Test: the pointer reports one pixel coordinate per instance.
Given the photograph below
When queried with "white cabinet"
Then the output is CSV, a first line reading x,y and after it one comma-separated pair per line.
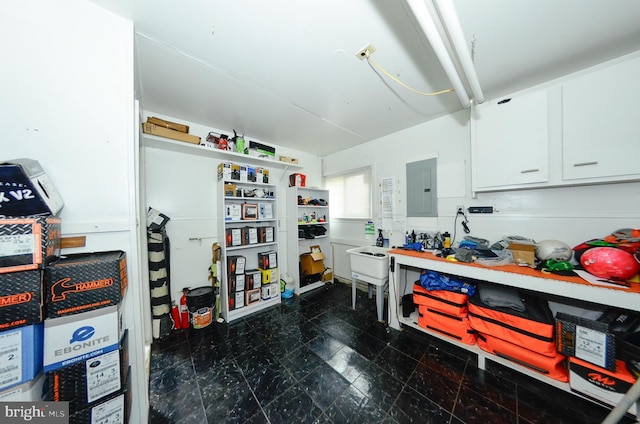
x,y
601,123
510,142
308,225
249,274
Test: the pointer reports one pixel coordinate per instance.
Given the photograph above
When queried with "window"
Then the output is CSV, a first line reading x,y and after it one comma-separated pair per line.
x,y
350,194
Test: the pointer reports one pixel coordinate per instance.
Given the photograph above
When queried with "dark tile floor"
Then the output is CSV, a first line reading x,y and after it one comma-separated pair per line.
x,y
313,359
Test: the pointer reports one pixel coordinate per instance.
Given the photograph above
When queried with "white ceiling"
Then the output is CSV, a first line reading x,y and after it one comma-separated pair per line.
x,y
285,71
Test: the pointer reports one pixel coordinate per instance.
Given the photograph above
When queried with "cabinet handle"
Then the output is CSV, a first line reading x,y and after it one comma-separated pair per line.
x,y
595,162
528,171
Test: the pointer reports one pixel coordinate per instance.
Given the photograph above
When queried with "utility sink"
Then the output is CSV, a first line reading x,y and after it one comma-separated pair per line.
x,y
370,261
371,265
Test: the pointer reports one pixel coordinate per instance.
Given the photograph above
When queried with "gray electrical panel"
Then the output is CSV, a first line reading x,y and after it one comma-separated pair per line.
x,y
422,191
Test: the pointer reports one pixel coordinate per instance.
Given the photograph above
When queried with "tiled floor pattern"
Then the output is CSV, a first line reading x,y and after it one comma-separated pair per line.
x,y
313,359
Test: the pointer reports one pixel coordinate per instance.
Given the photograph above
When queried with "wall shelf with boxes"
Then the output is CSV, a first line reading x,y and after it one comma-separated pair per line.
x,y
163,143
596,354
308,237
248,223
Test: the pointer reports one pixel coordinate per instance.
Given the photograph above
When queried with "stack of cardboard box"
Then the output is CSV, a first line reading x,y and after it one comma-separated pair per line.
x,y
30,232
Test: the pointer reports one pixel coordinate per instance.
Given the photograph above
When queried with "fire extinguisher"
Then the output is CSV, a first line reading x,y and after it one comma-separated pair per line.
x,y
175,316
184,312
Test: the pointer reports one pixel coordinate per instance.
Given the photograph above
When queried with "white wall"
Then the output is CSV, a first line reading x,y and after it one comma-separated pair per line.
x,y
67,101
185,187
570,214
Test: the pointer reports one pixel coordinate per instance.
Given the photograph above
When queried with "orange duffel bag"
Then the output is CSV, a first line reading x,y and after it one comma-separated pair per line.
x,y
533,329
553,367
453,326
450,302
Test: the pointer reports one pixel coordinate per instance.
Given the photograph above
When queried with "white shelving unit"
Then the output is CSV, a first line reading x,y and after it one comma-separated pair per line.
x,y
555,287
249,225
301,217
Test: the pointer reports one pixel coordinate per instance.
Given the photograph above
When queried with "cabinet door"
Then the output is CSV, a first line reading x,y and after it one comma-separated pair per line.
x,y
601,123
511,142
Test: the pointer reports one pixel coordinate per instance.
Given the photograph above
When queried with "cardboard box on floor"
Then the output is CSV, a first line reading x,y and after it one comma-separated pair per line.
x,y
313,261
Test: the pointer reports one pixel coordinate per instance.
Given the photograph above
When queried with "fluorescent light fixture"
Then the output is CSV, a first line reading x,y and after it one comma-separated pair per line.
x,y
448,19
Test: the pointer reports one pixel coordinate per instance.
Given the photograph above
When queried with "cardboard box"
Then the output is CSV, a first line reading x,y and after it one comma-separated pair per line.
x,y
26,190
268,260
237,282
232,212
269,275
265,234
30,391
230,190
313,261
168,124
288,159
270,291
259,149
20,299
297,180
253,296
251,174
249,235
253,279
265,210
239,296
224,171
115,409
234,237
28,243
523,253
76,338
21,356
586,339
84,281
235,264
149,128
87,382
608,387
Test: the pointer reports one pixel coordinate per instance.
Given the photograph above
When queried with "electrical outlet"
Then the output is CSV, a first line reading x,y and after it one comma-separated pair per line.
x,y
460,209
362,53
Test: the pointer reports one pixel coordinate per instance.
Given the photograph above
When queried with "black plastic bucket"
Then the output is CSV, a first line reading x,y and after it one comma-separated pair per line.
x,y
201,306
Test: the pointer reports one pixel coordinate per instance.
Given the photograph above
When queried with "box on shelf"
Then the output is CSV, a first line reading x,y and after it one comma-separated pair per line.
x,y
251,174
253,279
297,180
312,262
26,190
244,174
253,296
592,340
149,128
263,175
230,190
84,281
115,409
224,171
237,282
269,275
261,150
30,391
235,264
268,260
20,299
168,124
288,159
76,338
84,383
25,344
233,237
523,253
265,235
239,296
28,243
270,291
600,384
232,212
249,235
265,210
235,172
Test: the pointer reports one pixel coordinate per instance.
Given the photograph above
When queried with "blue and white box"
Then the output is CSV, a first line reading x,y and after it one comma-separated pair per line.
x,y
21,351
75,338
